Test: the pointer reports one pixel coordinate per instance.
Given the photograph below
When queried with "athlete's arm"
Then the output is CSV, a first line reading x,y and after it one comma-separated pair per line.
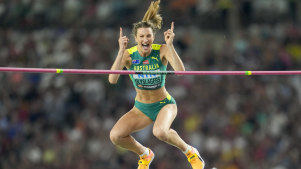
x,y
122,58
169,51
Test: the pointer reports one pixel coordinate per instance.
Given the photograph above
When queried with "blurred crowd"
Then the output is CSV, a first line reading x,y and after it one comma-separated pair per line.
x,y
51,121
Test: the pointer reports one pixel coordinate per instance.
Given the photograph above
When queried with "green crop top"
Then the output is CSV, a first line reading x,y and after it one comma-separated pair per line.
x,y
151,62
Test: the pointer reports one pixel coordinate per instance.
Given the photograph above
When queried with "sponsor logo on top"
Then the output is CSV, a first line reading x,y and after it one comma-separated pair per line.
x,y
155,58
146,62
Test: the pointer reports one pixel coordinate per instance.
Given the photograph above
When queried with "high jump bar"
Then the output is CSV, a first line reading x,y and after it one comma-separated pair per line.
x,y
127,72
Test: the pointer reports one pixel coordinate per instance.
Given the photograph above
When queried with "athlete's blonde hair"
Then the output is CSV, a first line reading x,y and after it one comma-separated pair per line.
x,y
151,19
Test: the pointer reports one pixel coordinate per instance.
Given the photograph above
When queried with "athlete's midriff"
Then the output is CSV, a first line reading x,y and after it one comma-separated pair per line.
x,y
151,96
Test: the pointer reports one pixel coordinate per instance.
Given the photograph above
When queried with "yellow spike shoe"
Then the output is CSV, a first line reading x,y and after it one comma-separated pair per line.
x,y
145,160
195,159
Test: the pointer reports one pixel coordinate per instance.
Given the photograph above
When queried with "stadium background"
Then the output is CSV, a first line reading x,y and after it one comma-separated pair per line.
x,y
50,121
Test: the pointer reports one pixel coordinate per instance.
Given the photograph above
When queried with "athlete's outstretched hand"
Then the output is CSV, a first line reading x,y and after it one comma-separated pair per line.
x,y
169,35
123,40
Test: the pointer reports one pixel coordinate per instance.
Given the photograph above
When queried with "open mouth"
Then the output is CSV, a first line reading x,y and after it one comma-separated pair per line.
x,y
145,46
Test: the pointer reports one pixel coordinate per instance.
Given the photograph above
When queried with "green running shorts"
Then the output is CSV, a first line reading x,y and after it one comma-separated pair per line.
x,y
152,110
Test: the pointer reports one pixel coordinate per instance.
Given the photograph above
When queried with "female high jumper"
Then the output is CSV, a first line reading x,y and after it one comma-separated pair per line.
x,y
153,103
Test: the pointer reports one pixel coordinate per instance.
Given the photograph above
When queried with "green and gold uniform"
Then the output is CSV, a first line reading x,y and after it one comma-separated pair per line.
x,y
151,62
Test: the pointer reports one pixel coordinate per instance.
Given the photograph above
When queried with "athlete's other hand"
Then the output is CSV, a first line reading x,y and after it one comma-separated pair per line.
x,y
169,35
123,40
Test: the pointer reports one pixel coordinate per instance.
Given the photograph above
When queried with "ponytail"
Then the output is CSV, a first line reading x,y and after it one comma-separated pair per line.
x,y
152,15
151,18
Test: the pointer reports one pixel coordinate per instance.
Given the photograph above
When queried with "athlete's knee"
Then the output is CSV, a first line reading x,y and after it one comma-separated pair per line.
x,y
160,133
115,136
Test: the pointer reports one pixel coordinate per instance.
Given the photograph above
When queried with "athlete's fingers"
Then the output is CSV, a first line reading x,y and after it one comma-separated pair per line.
x,y
172,26
167,32
124,41
124,38
120,34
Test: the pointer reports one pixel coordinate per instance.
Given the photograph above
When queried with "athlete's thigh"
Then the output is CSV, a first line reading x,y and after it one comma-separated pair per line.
x,y
132,121
166,116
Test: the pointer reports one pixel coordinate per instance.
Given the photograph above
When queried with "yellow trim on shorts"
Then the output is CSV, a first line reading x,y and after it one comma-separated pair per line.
x,y
168,96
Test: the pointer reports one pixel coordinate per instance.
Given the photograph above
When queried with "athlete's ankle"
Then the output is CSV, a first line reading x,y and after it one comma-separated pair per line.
x,y
188,148
146,152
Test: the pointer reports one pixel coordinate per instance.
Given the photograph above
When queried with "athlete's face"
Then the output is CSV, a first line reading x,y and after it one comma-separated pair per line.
x,y
145,39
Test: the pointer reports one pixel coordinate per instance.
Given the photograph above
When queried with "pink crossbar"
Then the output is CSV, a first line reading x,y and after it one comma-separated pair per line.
x,y
127,72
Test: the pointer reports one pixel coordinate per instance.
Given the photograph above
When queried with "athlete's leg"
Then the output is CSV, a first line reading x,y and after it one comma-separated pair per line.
x,y
163,131
132,121
162,128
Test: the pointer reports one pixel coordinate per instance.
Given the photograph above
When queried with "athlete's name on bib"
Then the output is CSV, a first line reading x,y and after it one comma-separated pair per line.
x,y
153,81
